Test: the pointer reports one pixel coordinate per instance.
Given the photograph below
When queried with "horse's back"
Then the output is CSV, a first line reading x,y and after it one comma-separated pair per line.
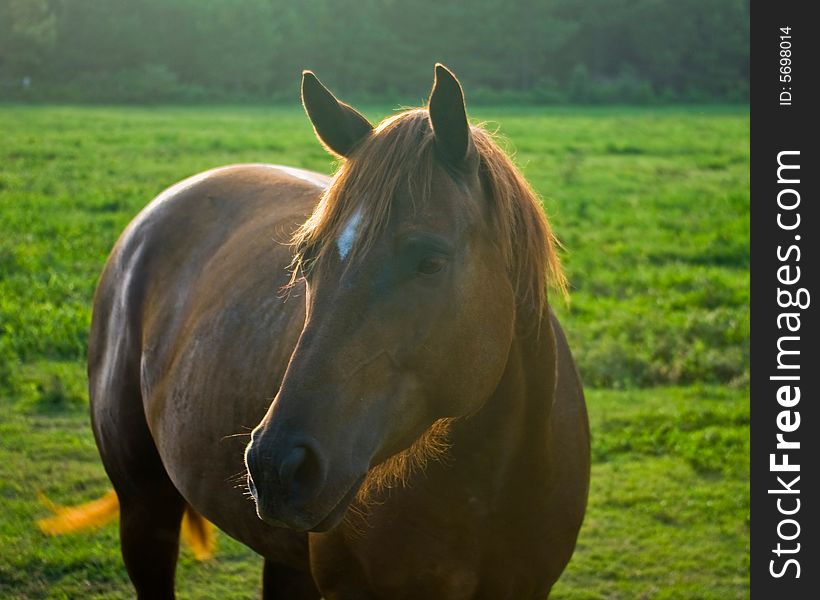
x,y
191,329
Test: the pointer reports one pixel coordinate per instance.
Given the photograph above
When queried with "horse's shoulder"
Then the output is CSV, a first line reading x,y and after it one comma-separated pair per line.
x,y
216,224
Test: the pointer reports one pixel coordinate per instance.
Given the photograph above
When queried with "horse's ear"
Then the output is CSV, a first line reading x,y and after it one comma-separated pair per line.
x,y
448,117
338,126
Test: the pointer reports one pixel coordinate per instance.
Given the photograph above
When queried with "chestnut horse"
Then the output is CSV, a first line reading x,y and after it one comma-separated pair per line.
x,y
420,428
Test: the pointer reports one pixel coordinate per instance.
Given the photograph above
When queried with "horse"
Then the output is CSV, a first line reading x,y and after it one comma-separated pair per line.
x,y
417,425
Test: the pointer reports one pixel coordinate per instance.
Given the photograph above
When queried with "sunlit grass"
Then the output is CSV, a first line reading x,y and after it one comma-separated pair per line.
x,y
653,207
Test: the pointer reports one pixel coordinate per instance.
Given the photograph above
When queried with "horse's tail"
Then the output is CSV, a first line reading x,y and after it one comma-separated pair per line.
x,y
69,519
197,532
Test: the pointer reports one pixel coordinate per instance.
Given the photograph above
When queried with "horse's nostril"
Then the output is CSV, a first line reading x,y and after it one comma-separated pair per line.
x,y
301,471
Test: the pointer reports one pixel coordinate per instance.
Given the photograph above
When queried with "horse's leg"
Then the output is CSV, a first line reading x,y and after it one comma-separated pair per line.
x,y
151,508
149,538
282,583
151,512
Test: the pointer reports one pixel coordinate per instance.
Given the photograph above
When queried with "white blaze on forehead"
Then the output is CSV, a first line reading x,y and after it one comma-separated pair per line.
x,y
349,232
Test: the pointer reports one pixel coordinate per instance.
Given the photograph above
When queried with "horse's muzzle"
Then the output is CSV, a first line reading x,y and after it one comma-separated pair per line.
x,y
289,483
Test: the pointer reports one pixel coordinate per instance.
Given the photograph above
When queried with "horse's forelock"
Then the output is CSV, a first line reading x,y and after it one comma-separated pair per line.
x,y
400,157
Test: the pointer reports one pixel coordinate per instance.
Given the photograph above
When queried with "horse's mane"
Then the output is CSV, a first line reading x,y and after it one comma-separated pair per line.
x,y
400,157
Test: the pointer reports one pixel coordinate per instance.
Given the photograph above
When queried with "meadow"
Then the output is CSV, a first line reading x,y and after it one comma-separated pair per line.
x,y
652,206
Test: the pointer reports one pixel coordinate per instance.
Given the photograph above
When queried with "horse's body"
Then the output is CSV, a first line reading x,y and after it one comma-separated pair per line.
x,y
192,335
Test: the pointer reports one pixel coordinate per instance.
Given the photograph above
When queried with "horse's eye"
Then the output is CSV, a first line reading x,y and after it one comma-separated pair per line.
x,y
430,265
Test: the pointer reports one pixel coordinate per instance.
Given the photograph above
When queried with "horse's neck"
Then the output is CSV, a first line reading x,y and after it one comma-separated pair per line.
x,y
504,446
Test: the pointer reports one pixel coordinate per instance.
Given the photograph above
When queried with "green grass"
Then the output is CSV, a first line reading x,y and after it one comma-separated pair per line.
x,y
653,207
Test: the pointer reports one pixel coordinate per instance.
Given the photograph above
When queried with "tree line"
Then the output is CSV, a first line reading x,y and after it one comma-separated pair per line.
x,y
528,51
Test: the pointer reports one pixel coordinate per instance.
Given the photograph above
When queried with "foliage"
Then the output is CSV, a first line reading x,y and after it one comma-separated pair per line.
x,y
520,50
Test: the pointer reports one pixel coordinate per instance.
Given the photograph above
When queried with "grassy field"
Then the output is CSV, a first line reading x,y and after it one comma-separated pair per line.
x,y
653,207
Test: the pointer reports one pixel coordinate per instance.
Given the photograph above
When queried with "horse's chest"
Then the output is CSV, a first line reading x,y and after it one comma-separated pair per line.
x,y
442,563
450,555
398,562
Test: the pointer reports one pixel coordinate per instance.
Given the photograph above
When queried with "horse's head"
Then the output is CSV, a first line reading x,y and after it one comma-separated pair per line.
x,y
413,279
